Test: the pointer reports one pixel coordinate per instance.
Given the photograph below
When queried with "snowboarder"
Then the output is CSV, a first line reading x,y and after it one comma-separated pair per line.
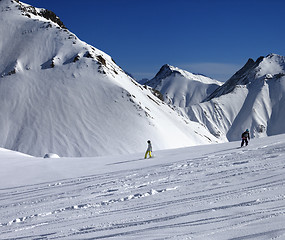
x,y
245,137
149,149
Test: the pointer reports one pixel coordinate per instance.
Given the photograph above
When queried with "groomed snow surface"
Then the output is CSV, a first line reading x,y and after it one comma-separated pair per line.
x,y
216,191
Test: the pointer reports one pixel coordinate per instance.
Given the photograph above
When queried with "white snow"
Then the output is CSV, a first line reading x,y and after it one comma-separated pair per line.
x,y
205,192
269,66
51,155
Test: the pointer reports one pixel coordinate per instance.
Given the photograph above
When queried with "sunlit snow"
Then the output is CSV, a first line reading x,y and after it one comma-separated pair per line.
x,y
205,192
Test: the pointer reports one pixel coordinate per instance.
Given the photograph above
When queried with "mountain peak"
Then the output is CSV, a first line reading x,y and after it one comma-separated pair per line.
x,y
272,64
181,88
28,10
274,55
166,70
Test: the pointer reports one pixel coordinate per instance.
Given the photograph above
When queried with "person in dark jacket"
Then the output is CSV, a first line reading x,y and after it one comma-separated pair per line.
x,y
245,138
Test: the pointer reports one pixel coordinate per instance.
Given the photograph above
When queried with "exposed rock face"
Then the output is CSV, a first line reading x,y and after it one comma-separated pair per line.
x,y
249,72
241,77
47,14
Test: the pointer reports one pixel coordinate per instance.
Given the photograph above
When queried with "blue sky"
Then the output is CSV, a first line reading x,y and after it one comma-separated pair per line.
x,y
212,37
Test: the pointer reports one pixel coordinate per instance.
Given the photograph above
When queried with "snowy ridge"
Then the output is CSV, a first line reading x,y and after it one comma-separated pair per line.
x,y
52,44
49,15
60,95
251,99
268,66
181,88
216,192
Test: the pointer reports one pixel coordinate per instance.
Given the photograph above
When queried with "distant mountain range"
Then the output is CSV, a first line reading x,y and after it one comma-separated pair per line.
x,y
253,98
60,95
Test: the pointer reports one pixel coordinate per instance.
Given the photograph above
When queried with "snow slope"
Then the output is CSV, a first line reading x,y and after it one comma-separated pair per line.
x,y
181,88
252,99
60,95
213,192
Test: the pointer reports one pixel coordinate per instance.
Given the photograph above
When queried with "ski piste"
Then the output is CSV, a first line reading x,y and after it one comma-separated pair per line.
x,y
202,192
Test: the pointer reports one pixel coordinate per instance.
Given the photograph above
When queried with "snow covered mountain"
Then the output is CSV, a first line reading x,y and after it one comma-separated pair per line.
x,y
61,95
252,99
181,88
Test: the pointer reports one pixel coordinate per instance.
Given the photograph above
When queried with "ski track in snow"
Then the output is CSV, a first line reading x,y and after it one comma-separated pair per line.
x,y
230,194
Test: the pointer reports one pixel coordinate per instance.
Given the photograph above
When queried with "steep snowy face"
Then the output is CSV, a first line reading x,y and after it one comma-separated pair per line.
x,y
36,39
181,88
271,66
264,66
49,15
252,99
60,95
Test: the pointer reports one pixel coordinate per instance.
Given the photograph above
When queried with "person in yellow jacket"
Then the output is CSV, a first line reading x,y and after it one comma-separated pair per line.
x,y
149,149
